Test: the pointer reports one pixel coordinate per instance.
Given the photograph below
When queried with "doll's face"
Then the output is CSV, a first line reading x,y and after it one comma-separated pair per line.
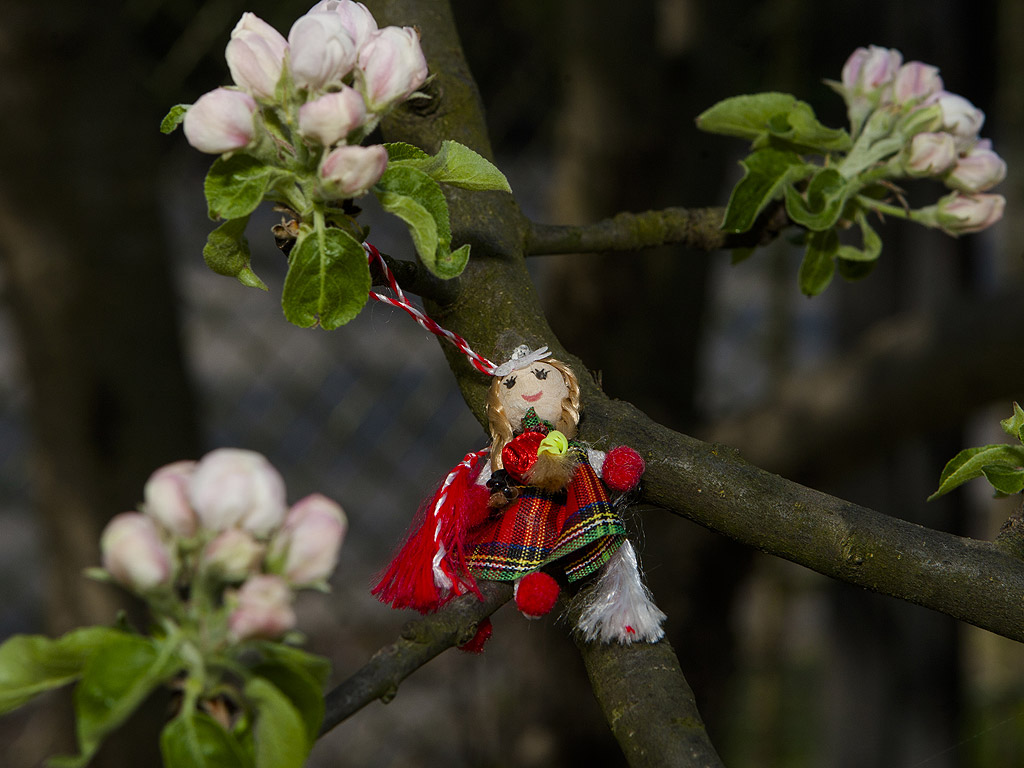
x,y
539,386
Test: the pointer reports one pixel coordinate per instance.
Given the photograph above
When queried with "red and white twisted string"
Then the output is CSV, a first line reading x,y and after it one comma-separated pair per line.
x,y
478,361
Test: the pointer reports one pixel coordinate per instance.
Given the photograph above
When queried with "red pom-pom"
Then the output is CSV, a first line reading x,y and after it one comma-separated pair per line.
x,y
484,630
520,454
622,468
536,595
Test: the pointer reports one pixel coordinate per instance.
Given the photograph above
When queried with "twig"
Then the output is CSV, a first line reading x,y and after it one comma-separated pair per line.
x,y
421,640
695,228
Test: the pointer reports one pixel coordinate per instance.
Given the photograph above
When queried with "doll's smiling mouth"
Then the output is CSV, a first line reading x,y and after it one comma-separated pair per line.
x,y
533,398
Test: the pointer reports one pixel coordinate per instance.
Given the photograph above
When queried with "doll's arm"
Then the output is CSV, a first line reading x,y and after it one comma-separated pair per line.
x,y
621,469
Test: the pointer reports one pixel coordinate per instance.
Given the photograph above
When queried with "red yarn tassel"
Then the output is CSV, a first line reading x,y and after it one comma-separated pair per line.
x,y
409,581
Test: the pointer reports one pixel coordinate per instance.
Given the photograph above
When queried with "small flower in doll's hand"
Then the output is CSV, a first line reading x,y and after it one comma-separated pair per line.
x,y
135,554
262,609
221,121
305,549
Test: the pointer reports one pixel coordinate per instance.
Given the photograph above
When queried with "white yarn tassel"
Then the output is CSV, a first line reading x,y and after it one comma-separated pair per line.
x,y
619,607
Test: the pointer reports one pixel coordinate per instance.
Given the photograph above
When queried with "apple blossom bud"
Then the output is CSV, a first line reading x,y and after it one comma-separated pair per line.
x,y
166,499
915,82
333,116
959,116
930,154
305,550
392,67
255,55
960,214
233,555
869,69
358,21
322,51
233,487
134,554
220,121
352,171
979,169
262,608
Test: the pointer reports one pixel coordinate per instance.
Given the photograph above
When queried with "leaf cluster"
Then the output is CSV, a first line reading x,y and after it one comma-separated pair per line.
x,y
1001,464
275,700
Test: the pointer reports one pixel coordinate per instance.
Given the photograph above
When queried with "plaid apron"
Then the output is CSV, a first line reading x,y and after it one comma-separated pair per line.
x,y
578,527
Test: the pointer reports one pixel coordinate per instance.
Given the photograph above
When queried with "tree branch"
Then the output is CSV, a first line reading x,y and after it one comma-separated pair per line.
x,y
696,228
421,640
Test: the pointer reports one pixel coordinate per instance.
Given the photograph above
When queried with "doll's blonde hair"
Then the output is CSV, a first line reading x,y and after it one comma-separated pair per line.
x,y
501,427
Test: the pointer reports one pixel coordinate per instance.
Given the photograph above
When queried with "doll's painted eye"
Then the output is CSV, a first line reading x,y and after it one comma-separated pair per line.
x,y
540,373
509,382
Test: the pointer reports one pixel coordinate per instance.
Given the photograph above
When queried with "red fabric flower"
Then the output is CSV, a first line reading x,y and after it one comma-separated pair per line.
x,y
520,454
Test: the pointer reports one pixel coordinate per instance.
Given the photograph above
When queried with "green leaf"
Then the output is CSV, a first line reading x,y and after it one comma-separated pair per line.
x,y
227,253
739,255
302,690
32,664
315,666
871,246
767,170
818,265
415,198
745,116
278,730
800,129
173,118
454,164
116,680
1006,480
820,206
399,151
971,462
1014,426
328,280
235,186
196,740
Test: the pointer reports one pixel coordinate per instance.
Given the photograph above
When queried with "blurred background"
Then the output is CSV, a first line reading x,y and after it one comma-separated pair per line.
x,y
120,351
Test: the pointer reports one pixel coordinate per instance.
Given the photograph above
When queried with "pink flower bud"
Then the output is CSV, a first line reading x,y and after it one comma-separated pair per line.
x,y
134,554
262,608
930,154
352,171
915,82
392,67
959,116
979,169
166,499
232,487
333,116
233,555
305,550
221,121
358,21
322,51
869,69
255,55
960,214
